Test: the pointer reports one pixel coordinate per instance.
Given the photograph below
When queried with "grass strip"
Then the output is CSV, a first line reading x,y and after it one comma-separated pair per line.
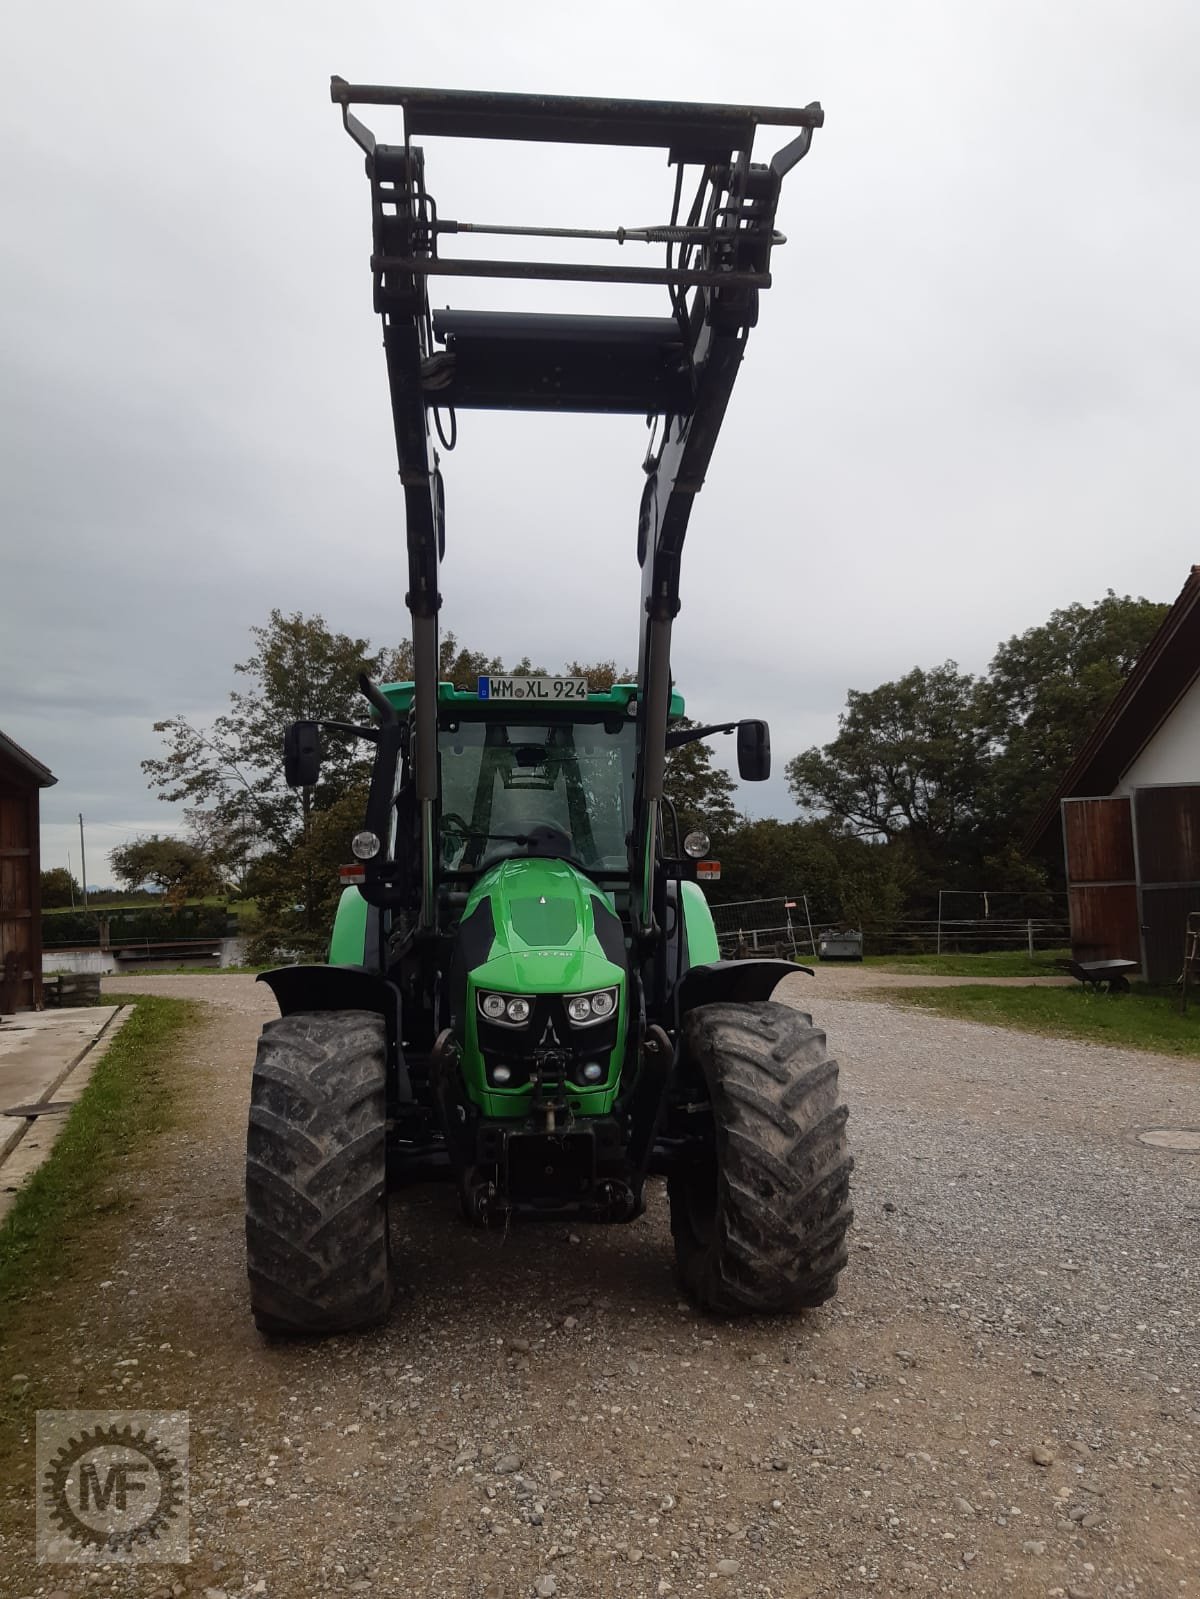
x,y
1145,1019
998,963
129,1097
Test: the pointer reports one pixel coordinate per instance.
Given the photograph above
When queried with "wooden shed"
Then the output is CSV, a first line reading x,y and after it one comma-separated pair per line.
x,y
1128,809
22,779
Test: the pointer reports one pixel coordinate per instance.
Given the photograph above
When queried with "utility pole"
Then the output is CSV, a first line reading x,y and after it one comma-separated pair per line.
x,y
82,862
71,879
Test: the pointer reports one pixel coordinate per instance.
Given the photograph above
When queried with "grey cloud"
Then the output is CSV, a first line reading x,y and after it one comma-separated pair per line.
x,y
972,395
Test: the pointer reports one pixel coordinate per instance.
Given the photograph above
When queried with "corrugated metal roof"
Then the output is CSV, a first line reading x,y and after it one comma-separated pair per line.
x,y
1165,670
42,775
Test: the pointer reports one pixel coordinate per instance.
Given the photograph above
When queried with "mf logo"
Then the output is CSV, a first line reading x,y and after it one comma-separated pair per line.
x,y
112,1485
121,1480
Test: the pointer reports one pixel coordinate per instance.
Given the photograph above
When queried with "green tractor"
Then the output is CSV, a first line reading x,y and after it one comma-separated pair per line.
x,y
525,995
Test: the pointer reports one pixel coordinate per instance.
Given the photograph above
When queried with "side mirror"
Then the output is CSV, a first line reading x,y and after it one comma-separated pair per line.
x,y
302,754
754,751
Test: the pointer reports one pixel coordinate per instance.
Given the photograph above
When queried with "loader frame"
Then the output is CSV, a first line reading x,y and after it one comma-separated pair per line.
x,y
678,370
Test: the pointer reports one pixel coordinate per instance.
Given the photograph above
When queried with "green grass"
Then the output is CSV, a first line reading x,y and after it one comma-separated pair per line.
x,y
1000,963
128,1099
1146,1019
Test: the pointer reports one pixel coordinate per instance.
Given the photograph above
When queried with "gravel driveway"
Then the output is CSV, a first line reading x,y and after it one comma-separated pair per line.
x,y
1004,1398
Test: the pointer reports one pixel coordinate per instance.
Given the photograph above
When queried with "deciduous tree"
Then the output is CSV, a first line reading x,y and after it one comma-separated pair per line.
x,y
59,888
909,760
171,864
1045,691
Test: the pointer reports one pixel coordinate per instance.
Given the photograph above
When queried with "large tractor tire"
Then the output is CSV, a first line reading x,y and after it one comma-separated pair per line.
x,y
316,1174
760,1222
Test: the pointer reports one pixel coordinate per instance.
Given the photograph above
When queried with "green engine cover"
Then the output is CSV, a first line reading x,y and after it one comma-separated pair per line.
x,y
533,928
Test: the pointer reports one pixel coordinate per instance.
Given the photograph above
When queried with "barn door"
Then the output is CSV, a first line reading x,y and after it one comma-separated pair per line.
x,y
1101,879
18,981
1167,825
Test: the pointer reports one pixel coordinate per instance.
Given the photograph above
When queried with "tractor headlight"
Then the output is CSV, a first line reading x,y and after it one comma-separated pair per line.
x,y
585,1010
365,846
509,1010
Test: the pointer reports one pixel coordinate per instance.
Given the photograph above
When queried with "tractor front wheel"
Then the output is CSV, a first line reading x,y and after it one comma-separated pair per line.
x,y
760,1219
316,1174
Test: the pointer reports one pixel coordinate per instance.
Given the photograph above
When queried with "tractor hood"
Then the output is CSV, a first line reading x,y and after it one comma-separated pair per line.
x,y
540,926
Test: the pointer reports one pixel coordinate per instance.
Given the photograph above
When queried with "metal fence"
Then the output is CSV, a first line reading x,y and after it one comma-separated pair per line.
x,y
975,920
766,926
966,922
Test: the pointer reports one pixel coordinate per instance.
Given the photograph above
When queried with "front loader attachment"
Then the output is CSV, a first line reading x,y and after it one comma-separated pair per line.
x,y
711,259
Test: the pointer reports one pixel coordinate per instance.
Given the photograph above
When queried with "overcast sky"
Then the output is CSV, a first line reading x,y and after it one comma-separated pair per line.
x,y
971,397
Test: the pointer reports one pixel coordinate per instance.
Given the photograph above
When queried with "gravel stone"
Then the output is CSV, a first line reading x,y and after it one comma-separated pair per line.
x,y
965,1334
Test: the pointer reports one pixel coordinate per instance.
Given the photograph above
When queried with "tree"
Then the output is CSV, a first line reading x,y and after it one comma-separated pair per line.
x,y
909,761
1045,691
285,921
59,888
846,879
456,665
701,792
230,773
171,864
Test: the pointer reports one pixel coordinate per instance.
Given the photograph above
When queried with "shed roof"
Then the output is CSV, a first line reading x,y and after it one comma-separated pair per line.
x,y
1164,671
10,750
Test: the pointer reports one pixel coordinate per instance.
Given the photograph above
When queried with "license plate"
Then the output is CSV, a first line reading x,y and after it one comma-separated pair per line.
x,y
533,688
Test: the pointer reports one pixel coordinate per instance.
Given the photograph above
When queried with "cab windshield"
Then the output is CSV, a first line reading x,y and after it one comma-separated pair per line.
x,y
502,780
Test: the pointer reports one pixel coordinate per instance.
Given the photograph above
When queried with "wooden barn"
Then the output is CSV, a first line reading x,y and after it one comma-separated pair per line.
x,y
1128,810
22,779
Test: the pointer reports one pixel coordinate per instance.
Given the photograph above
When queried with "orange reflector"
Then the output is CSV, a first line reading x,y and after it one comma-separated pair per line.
x,y
352,874
708,871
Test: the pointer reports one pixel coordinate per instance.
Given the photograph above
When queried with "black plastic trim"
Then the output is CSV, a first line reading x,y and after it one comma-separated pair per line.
x,y
318,988
610,935
733,982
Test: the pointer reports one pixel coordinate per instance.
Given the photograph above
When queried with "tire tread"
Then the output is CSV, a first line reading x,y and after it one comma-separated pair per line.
x,y
779,1185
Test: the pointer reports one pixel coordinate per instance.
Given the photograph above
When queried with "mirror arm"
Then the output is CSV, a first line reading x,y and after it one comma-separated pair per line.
x,y
372,692
370,733
690,735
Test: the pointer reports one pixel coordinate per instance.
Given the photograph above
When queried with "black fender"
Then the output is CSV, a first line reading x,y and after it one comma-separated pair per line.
x,y
732,982
301,988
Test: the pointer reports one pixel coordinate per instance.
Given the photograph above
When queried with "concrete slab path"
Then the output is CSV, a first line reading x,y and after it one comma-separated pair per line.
x,y
45,1057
